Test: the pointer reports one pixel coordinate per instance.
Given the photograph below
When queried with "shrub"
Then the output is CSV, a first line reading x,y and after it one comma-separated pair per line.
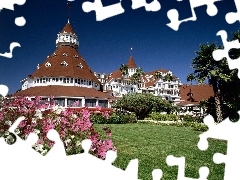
x,y
114,118
117,118
163,117
98,118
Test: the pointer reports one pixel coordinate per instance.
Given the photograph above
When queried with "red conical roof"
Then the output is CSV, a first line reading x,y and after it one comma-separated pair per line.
x,y
73,59
131,63
68,29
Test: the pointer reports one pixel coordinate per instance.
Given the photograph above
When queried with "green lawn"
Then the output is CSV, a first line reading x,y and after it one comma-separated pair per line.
x,y
151,144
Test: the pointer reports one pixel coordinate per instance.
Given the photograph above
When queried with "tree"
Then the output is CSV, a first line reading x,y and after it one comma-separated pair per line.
x,y
206,68
190,77
124,69
157,75
168,77
140,104
136,77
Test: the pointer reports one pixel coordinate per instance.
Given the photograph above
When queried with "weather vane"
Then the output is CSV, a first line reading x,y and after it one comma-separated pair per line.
x,y
131,49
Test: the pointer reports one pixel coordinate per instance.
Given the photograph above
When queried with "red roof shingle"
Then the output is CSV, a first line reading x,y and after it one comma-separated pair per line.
x,y
68,29
67,91
200,92
72,58
131,63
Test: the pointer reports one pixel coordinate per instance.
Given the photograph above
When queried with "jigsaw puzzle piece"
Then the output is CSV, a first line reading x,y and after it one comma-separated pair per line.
x,y
102,12
180,162
3,90
219,54
232,157
153,6
173,14
157,174
232,17
103,169
10,4
20,152
12,46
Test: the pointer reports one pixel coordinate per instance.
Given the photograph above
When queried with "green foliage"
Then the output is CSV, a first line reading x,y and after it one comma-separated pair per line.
x,y
194,125
124,69
163,117
98,118
114,118
142,104
189,118
200,127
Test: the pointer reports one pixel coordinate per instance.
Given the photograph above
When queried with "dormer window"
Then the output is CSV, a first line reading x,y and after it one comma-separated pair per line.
x,y
54,54
64,54
48,64
64,63
80,65
75,56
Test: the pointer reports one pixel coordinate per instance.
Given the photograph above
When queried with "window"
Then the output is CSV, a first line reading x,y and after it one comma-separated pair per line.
x,y
60,101
80,65
64,63
64,54
37,80
90,83
47,64
70,102
103,103
90,102
71,80
43,100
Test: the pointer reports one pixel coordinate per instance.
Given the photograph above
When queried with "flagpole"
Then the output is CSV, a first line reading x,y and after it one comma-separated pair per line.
x,y
68,4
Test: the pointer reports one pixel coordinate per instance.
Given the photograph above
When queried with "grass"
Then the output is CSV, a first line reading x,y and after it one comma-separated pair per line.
x,y
151,144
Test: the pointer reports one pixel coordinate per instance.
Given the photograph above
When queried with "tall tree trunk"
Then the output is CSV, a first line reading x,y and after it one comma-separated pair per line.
x,y
217,102
218,108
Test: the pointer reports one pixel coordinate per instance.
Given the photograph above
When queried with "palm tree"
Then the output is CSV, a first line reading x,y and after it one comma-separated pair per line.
x,y
206,68
168,77
124,69
157,75
190,77
136,77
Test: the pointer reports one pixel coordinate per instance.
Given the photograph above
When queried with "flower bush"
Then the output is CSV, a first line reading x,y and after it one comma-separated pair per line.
x,y
73,126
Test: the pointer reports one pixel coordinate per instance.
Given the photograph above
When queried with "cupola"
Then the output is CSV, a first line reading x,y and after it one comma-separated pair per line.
x,y
67,37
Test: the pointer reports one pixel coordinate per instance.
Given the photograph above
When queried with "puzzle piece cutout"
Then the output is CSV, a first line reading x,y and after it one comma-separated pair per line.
x,y
6,4
102,12
19,21
229,131
84,165
232,17
12,46
153,6
180,162
3,90
173,14
219,54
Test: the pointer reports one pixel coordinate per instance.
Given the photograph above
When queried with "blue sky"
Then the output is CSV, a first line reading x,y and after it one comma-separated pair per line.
x,y
106,44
